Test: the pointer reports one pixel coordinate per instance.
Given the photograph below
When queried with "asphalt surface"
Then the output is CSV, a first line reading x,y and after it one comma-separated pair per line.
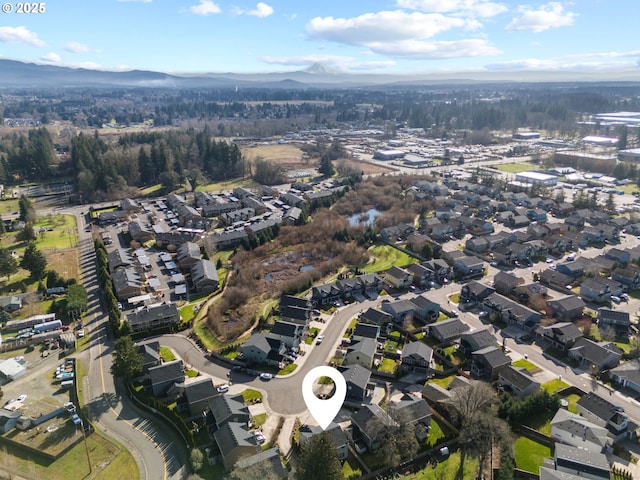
x,y
151,442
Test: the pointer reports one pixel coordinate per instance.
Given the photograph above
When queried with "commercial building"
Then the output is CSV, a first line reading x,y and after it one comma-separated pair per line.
x,y
533,178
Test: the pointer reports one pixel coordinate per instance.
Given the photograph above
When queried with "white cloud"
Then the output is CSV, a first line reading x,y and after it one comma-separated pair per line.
x,y
51,57
385,26
551,15
76,47
475,8
342,62
632,53
205,7
20,35
262,10
425,50
537,64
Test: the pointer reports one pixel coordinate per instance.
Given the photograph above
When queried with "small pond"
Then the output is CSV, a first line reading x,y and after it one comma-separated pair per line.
x,y
365,218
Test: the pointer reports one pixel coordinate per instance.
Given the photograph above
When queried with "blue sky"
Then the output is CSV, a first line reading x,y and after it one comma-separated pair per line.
x,y
376,36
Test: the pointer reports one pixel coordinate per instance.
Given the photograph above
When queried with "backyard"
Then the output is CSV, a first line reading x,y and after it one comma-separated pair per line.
x,y
530,455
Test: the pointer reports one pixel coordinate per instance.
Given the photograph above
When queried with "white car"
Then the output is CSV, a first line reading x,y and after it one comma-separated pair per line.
x,y
260,438
266,376
223,388
21,398
319,339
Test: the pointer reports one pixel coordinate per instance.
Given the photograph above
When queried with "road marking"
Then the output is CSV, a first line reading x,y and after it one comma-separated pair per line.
x,y
104,393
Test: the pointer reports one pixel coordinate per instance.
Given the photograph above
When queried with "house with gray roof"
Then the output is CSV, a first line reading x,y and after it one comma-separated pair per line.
x,y
505,283
448,330
366,330
421,274
401,310
561,335
204,276
605,413
375,317
226,408
575,430
325,294
262,348
196,393
359,388
139,232
413,410
150,355
627,375
361,352
595,355
474,292
584,463
425,309
364,421
294,314
476,340
118,258
398,278
235,442
267,462
487,362
568,307
127,283
416,356
520,381
291,334
307,432
612,321
187,255
164,377
150,317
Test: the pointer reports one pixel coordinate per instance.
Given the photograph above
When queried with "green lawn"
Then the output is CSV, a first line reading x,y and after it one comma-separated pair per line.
x,y
191,373
166,354
455,297
61,232
526,364
514,167
449,468
573,401
530,455
384,257
443,382
250,394
288,369
9,205
350,469
388,365
260,419
554,385
436,432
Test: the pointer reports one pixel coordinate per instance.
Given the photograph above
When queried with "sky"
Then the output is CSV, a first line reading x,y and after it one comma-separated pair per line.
x,y
359,36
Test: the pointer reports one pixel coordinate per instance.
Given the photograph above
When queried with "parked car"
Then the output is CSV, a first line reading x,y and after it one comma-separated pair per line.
x,y
319,339
266,376
223,388
22,398
615,299
260,438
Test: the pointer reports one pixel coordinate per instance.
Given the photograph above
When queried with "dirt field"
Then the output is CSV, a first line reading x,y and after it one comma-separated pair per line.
x,y
292,158
65,262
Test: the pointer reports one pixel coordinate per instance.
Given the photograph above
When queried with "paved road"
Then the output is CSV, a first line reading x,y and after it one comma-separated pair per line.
x,y
151,443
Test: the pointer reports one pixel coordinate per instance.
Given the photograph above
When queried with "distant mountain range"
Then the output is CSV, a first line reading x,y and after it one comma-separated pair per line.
x,y
20,74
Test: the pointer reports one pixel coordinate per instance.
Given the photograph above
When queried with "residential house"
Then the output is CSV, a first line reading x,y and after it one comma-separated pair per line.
x,y
505,283
293,314
196,394
150,317
307,432
187,255
487,362
599,289
583,463
118,258
417,357
325,294
616,322
562,335
224,408
361,352
627,375
474,292
164,377
130,206
568,307
359,387
291,216
204,276
421,274
396,232
267,462
139,232
604,265
476,340
595,356
537,248
235,442
603,412
621,257
398,278
291,334
555,279
375,317
150,355
425,310
628,276
442,272
468,267
520,381
366,330
401,310
293,301
531,294
477,244
572,429
364,424
240,215
415,411
575,268
261,348
511,312
448,330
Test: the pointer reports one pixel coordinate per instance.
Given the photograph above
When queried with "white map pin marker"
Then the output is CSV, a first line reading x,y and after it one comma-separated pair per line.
x,y
324,411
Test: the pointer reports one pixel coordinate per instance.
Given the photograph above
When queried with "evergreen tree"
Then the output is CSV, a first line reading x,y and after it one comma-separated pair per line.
x,y
8,264
319,459
34,261
127,361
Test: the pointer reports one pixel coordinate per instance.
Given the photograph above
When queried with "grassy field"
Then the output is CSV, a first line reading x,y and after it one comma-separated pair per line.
x,y
250,395
385,257
514,167
166,354
10,205
436,432
554,385
443,382
187,313
388,365
527,365
452,467
530,455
